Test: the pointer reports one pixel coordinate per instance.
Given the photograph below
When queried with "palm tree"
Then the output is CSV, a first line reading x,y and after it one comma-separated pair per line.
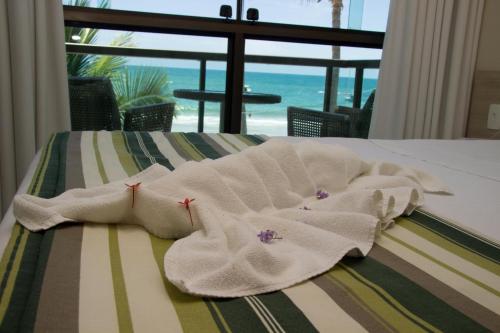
x,y
91,64
140,86
337,6
132,87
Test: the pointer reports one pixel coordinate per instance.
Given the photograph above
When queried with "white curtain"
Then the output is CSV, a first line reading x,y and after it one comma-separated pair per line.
x,y
33,85
426,69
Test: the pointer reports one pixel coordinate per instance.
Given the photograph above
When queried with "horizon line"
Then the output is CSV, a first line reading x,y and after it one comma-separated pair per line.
x,y
261,72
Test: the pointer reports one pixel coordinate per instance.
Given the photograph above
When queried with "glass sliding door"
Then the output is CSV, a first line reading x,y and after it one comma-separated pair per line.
x,y
234,75
297,85
198,115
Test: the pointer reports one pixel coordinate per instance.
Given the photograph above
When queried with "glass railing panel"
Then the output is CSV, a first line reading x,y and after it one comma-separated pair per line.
x,y
215,81
185,75
370,77
299,86
345,88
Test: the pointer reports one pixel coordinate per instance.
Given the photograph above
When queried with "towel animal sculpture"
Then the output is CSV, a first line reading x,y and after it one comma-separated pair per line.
x,y
261,220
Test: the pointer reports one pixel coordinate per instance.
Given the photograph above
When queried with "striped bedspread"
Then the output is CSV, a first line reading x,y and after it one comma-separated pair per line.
x,y
424,274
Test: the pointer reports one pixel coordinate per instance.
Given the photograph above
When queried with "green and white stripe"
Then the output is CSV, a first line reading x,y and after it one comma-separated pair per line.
x,y
424,274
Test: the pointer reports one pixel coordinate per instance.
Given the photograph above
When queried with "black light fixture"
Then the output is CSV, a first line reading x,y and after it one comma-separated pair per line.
x,y
226,11
253,14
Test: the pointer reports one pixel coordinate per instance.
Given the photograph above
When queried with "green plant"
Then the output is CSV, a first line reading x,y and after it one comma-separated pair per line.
x,y
140,86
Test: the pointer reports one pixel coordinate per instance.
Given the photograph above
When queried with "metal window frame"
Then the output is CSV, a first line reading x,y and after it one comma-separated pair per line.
x,y
236,32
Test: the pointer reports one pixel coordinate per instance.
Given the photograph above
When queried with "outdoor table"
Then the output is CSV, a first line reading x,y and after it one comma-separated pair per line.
x,y
219,96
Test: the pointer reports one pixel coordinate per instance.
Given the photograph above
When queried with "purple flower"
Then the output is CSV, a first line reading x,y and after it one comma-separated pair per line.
x,y
321,194
267,236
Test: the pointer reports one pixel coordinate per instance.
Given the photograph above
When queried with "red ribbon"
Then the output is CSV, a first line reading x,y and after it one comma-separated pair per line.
x,y
134,188
186,203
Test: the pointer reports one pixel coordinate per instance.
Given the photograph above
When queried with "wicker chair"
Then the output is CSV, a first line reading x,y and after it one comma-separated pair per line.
x,y
359,118
93,104
312,123
157,117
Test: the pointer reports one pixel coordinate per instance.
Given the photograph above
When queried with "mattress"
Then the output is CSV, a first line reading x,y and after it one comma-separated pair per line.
x,y
427,273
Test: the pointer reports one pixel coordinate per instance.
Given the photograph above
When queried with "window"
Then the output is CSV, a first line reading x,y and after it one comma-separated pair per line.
x,y
256,69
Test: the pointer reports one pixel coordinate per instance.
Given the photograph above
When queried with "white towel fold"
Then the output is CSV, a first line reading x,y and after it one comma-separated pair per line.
x,y
272,186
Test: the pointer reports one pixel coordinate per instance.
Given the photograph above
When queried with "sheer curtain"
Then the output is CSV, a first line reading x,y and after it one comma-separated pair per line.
x,y
426,69
33,85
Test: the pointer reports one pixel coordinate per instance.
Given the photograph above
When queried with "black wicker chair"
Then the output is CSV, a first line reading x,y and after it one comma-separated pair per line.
x,y
359,118
157,117
312,123
93,104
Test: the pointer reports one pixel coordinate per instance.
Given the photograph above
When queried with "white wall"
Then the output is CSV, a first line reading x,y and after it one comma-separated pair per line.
x,y
488,57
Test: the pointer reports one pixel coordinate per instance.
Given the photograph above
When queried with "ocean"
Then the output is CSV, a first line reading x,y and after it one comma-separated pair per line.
x,y
295,90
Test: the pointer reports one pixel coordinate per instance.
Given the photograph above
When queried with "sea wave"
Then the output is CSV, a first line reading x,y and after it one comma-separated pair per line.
x,y
255,125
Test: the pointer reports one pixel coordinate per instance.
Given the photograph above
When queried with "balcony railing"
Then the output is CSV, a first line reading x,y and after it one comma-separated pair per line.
x,y
203,57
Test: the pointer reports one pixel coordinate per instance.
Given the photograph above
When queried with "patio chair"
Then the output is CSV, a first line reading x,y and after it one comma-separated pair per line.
x,y
359,118
157,117
312,123
92,104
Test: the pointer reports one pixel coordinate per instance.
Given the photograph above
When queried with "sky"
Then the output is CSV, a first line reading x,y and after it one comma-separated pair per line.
x,y
373,16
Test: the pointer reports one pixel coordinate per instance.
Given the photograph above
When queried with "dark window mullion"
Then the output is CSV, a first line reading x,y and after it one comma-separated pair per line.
x,y
239,9
234,84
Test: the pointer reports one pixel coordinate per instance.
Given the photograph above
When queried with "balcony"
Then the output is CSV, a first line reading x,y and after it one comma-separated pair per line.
x,y
309,91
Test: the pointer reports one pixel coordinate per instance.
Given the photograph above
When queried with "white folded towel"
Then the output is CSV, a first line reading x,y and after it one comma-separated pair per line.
x,y
269,187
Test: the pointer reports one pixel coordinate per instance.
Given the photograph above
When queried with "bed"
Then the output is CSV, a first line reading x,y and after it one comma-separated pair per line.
x,y
436,270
